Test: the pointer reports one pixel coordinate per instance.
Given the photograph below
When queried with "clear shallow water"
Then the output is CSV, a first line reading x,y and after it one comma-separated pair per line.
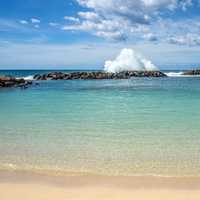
x,y
112,127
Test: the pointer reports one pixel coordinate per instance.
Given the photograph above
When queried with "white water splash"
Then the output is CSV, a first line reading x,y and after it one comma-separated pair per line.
x,y
28,78
180,74
129,60
174,74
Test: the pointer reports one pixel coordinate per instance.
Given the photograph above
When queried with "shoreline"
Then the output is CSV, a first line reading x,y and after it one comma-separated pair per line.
x,y
92,179
30,186
66,173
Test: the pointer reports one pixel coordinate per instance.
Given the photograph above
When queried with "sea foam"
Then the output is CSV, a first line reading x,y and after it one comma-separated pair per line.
x,y
180,75
28,78
174,74
129,60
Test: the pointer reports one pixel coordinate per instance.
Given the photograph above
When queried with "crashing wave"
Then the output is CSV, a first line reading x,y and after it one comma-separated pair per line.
x,y
129,60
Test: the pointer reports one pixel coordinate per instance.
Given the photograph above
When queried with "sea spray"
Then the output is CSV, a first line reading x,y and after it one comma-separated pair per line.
x,y
28,78
129,60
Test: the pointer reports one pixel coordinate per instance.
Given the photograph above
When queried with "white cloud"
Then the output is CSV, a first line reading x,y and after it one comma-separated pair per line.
x,y
181,32
37,26
150,37
31,55
185,4
105,28
23,22
125,18
13,25
73,19
189,39
89,15
53,24
52,55
117,35
6,25
132,7
35,21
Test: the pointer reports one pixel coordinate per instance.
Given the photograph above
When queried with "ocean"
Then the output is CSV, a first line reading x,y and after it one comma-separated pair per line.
x,y
141,126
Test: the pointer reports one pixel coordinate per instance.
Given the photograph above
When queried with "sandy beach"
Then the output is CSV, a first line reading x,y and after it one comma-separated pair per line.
x,y
27,186
99,100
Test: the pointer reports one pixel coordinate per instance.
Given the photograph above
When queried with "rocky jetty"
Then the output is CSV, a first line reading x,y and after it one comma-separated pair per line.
x,y
9,81
97,75
192,72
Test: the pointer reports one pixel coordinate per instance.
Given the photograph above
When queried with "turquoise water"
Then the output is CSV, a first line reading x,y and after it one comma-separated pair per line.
x,y
111,127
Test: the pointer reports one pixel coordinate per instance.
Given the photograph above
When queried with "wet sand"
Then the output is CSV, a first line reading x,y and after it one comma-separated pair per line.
x,y
30,186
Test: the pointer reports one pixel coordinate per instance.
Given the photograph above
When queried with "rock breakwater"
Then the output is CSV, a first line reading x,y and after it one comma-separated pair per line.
x,y
9,81
194,72
97,75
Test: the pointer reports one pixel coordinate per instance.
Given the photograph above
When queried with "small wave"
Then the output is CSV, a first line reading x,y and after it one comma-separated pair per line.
x,y
179,74
28,78
174,74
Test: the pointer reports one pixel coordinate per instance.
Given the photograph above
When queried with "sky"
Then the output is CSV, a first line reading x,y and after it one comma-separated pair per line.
x,y
83,34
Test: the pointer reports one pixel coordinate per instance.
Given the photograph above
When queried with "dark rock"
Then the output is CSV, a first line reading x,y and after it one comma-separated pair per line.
x,y
8,81
192,72
97,75
37,77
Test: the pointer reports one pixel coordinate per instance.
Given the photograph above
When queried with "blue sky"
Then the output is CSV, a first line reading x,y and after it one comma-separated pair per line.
x,y
86,33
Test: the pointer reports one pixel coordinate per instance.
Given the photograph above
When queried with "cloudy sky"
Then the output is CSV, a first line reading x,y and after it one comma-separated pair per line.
x,y
85,33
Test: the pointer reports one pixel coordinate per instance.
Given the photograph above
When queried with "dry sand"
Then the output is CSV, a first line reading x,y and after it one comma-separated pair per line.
x,y
26,186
